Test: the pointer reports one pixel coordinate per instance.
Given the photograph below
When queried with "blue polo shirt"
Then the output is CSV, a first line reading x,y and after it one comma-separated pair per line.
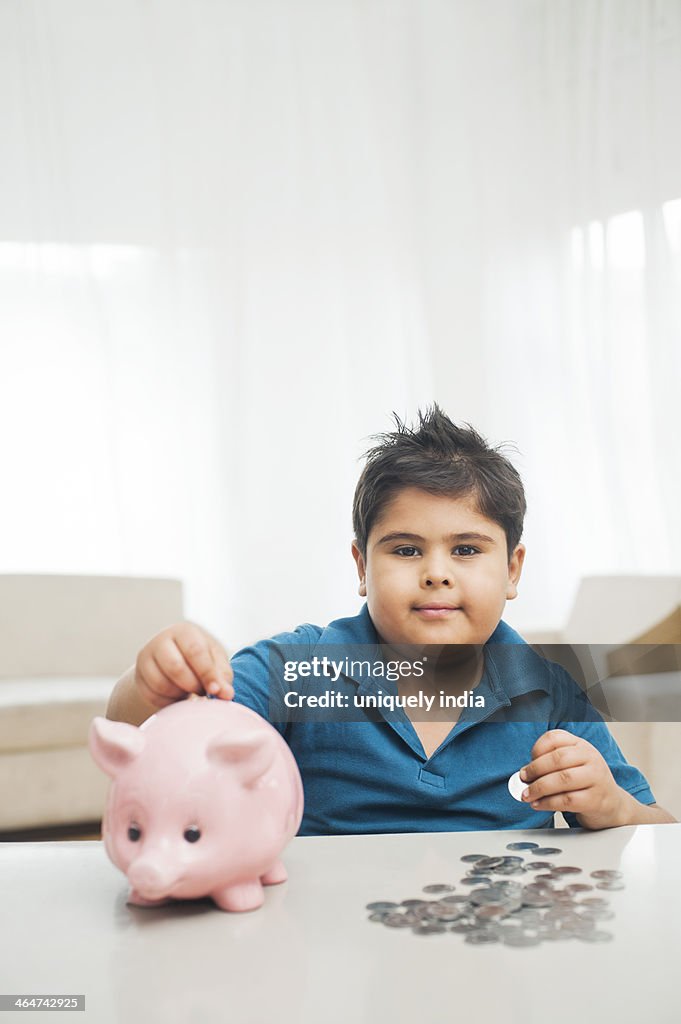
x,y
373,776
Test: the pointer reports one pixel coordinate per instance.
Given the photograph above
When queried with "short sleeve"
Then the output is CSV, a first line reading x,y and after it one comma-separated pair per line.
x,y
626,775
258,669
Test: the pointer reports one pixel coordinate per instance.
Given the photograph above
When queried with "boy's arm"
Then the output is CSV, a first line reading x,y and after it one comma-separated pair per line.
x,y
126,703
633,812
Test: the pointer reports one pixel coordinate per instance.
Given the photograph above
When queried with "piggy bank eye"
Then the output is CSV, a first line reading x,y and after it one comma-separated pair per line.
x,y
192,834
134,833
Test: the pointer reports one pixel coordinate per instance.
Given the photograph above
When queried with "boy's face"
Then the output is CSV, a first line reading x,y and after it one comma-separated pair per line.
x,y
436,571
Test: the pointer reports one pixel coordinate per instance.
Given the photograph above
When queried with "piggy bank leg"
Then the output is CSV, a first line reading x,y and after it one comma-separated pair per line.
x,y
141,901
246,896
276,874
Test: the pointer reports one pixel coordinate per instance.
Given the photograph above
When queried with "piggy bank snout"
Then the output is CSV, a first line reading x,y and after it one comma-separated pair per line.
x,y
149,878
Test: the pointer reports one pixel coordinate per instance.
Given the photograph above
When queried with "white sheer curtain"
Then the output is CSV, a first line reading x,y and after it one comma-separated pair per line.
x,y
235,236
209,293
554,273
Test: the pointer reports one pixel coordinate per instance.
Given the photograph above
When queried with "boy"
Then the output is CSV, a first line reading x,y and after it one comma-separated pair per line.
x,y
438,517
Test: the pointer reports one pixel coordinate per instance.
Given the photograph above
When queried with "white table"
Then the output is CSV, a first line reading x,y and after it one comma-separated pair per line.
x,y
310,955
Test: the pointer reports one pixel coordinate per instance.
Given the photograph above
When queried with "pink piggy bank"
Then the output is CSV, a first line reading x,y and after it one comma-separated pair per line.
x,y
205,796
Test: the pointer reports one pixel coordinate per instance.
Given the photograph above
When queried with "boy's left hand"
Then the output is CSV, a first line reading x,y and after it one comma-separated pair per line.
x,y
567,773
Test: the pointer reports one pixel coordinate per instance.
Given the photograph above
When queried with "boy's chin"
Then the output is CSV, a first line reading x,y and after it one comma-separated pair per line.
x,y
437,636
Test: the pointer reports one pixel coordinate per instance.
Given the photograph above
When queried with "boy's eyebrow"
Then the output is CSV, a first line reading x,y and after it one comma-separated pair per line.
x,y
452,537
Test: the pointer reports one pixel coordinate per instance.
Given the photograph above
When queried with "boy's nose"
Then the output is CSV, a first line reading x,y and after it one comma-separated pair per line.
x,y
432,580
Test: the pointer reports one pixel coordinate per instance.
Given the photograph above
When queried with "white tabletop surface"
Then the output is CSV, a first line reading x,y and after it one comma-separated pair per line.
x,y
310,954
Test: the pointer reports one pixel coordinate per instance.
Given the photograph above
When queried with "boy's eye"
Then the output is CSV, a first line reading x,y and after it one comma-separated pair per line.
x,y
408,550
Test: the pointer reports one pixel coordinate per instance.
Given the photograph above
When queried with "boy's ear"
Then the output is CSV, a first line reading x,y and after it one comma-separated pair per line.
x,y
515,568
361,569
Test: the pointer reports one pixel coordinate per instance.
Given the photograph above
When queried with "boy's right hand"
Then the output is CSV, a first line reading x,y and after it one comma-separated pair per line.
x,y
180,660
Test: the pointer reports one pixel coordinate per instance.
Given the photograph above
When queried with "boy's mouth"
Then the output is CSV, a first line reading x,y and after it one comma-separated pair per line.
x,y
436,610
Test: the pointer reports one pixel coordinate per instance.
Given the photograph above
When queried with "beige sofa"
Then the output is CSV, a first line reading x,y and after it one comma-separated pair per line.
x,y
64,640
607,613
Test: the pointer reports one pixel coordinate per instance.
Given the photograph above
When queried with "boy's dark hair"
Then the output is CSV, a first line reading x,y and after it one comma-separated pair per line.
x,y
441,458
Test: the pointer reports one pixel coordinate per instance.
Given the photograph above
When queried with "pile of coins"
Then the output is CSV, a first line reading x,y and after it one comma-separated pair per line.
x,y
504,908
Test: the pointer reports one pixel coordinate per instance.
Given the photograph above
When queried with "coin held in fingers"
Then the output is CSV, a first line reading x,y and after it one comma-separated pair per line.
x,y
516,786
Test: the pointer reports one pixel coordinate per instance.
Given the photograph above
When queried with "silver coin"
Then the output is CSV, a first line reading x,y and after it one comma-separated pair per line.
x,y
564,898
602,873
510,869
567,871
522,846
546,851
598,913
596,936
396,921
377,916
565,915
594,901
509,884
465,927
469,858
429,929
611,886
501,888
382,905
415,903
481,897
575,929
527,916
457,898
435,887
537,901
535,889
421,915
584,924
555,932
490,862
516,787
518,937
443,912
480,937
476,880
490,911
539,865
577,888
514,859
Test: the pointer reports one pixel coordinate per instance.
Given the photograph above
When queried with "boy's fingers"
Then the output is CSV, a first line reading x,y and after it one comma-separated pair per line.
x,y
558,759
548,741
224,675
565,781
576,801
171,661
198,651
154,685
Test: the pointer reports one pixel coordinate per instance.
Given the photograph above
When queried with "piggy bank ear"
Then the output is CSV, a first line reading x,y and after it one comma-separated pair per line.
x,y
250,754
114,744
